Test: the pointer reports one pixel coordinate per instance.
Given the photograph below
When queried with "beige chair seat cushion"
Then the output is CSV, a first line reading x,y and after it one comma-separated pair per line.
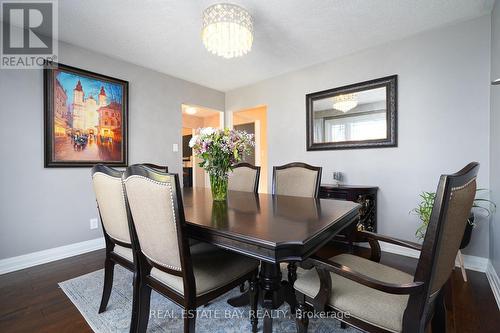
x,y
369,305
211,268
124,252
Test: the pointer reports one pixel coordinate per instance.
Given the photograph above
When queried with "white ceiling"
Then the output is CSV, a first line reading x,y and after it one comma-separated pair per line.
x,y
164,35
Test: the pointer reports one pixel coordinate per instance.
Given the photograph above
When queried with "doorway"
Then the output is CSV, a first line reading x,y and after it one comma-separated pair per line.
x,y
254,121
193,118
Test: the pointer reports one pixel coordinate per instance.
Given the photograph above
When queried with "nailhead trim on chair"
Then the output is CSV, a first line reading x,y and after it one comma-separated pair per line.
x,y
464,185
169,185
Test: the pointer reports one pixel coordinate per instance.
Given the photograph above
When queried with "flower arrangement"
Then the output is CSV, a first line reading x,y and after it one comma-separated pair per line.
x,y
219,150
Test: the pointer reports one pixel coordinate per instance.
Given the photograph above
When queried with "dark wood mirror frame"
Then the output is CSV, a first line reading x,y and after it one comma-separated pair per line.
x,y
391,85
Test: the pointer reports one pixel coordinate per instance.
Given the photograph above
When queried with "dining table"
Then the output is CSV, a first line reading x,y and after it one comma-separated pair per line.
x,y
271,228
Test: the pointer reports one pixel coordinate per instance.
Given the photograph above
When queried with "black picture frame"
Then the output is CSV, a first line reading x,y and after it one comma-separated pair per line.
x,y
391,84
49,84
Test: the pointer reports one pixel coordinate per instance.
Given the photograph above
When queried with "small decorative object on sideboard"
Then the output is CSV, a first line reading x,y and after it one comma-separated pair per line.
x,y
338,177
364,195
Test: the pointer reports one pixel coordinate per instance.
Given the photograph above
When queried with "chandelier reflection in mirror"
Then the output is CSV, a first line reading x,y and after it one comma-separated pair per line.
x,y
227,30
345,102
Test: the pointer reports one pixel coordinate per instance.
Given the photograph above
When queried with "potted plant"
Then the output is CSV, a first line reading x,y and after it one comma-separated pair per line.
x,y
424,210
219,150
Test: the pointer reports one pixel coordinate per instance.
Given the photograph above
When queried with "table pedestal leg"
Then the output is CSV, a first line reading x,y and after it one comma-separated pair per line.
x,y
273,293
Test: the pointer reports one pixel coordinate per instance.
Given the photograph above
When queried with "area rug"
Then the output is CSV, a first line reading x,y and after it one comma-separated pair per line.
x,y
217,317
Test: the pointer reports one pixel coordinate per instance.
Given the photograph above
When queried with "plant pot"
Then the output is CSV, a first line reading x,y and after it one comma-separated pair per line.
x,y
467,233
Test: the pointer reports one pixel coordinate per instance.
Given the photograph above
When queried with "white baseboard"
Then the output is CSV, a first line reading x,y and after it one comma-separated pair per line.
x,y
475,263
470,262
494,281
41,257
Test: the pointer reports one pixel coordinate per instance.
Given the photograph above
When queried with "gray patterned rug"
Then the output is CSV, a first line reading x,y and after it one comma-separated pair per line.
x,y
217,317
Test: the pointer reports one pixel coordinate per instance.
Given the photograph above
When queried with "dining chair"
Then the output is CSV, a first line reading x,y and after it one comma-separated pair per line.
x,y
107,183
162,168
166,262
244,177
296,179
380,298
299,180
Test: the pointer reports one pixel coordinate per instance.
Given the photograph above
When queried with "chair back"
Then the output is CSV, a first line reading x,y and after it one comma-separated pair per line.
x,y
245,178
162,168
156,215
107,183
296,179
452,206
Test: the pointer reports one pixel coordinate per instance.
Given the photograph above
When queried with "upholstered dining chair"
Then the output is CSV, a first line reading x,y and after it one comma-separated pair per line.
x,y
166,262
379,298
244,177
298,180
107,183
162,168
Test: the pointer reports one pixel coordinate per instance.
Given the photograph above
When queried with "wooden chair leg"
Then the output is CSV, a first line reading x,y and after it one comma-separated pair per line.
x,y
438,323
292,273
462,265
301,318
143,304
109,266
254,299
190,321
135,304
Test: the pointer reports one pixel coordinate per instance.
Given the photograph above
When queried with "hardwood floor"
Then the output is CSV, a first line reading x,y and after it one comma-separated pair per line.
x,y
31,301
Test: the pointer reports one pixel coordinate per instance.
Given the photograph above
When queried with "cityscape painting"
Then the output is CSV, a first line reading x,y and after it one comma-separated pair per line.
x,y
85,118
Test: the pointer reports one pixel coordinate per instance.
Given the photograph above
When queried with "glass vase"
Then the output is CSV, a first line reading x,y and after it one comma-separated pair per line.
x,y
218,185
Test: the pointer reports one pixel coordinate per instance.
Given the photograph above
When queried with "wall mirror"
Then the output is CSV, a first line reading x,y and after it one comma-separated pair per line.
x,y
361,115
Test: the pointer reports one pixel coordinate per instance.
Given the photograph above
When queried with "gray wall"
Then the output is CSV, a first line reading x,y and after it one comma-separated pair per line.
x,y
45,208
444,116
495,137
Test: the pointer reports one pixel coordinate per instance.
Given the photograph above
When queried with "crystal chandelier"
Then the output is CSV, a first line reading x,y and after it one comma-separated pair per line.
x,y
227,30
345,102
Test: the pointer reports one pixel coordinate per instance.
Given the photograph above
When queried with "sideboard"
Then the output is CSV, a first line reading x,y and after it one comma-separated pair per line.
x,y
364,195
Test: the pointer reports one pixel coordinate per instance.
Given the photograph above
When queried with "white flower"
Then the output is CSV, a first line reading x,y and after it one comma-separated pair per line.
x,y
207,131
193,140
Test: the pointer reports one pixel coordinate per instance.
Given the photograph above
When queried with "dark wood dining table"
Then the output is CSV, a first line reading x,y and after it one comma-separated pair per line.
x,y
271,228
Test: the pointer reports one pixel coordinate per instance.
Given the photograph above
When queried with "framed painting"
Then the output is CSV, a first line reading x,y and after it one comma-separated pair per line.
x,y
86,118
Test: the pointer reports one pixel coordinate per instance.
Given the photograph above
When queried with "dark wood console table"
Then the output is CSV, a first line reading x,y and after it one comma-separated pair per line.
x,y
366,196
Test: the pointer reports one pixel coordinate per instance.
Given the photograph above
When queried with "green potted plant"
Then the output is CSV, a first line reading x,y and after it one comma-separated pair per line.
x,y
424,210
